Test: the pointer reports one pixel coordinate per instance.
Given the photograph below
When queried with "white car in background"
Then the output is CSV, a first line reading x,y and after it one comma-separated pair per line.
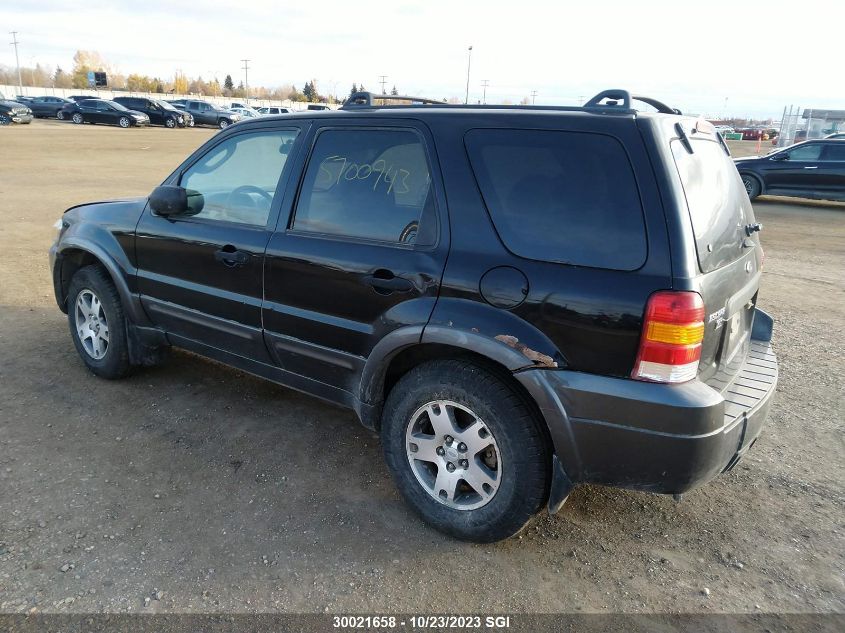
x,y
246,112
268,110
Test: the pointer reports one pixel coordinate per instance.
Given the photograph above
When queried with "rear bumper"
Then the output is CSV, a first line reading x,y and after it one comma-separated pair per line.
x,y
646,436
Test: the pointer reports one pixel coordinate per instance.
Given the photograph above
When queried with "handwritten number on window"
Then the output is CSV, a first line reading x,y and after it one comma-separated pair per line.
x,y
389,174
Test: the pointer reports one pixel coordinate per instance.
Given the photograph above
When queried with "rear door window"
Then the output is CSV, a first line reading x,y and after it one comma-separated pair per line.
x,y
834,152
810,151
718,205
368,184
568,197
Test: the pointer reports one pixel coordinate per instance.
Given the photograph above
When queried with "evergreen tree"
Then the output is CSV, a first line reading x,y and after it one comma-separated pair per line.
x,y
228,84
354,90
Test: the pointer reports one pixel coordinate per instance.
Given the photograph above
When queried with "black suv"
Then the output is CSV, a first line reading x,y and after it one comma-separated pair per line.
x,y
518,299
205,113
812,169
160,112
14,111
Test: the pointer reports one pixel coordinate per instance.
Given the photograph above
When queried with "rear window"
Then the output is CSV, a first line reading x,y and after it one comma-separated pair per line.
x,y
567,197
718,205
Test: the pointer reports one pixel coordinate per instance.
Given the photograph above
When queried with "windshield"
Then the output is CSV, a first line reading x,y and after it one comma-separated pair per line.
x,y
118,106
164,105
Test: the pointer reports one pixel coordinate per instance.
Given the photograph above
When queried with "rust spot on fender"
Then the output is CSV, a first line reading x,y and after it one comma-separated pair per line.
x,y
533,355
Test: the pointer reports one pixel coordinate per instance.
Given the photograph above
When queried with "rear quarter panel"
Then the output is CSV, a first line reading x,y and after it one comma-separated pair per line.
x,y
582,318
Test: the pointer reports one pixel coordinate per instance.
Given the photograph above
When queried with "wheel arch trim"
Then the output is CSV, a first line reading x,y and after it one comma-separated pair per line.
x,y
117,273
370,397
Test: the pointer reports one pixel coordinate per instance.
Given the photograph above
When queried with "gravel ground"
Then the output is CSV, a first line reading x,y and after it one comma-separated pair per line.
x,y
196,488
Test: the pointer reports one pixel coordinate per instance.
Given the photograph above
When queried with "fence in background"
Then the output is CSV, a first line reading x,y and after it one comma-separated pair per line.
x,y
801,125
29,91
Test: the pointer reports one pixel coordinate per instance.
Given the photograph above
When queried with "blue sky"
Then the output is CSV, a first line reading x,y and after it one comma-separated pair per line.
x,y
745,57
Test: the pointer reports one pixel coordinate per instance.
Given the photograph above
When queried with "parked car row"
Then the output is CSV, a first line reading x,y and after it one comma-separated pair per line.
x,y
160,112
125,111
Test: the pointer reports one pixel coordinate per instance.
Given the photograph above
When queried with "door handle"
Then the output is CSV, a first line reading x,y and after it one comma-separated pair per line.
x,y
813,167
385,282
231,256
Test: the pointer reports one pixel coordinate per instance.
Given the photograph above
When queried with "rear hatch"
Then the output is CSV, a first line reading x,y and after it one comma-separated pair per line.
x,y
728,249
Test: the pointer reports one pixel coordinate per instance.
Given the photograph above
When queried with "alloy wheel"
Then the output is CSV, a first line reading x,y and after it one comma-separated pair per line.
x,y
453,455
91,324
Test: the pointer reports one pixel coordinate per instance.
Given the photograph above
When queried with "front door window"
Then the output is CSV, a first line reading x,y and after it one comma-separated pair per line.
x,y
238,177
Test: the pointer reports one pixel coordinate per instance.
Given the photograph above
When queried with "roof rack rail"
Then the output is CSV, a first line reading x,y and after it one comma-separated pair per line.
x,y
609,99
365,99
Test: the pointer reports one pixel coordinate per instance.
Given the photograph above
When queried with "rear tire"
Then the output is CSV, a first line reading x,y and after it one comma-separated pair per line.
x,y
97,323
77,118
496,443
752,186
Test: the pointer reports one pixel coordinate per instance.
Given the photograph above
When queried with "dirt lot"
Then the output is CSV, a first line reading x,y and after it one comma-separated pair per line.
x,y
225,493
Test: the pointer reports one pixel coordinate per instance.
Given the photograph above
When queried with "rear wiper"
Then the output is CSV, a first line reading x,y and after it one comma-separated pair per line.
x,y
683,136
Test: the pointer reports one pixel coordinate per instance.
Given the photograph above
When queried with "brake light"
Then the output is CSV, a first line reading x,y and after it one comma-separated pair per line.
x,y
670,345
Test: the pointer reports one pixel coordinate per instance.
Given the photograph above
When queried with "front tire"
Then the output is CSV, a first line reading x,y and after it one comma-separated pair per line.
x,y
77,118
124,122
97,323
465,450
752,186
60,115
224,123
170,122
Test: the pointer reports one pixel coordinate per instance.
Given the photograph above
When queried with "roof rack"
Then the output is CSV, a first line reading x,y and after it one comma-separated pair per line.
x,y
615,100
611,99
365,99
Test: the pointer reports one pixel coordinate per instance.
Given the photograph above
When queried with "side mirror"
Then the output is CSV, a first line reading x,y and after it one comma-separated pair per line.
x,y
781,156
169,200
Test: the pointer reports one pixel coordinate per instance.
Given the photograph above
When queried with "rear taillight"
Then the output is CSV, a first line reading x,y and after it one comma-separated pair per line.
x,y
670,346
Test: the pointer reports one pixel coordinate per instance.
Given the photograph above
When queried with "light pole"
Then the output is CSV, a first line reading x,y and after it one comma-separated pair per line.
x,y
484,83
469,63
246,79
15,43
